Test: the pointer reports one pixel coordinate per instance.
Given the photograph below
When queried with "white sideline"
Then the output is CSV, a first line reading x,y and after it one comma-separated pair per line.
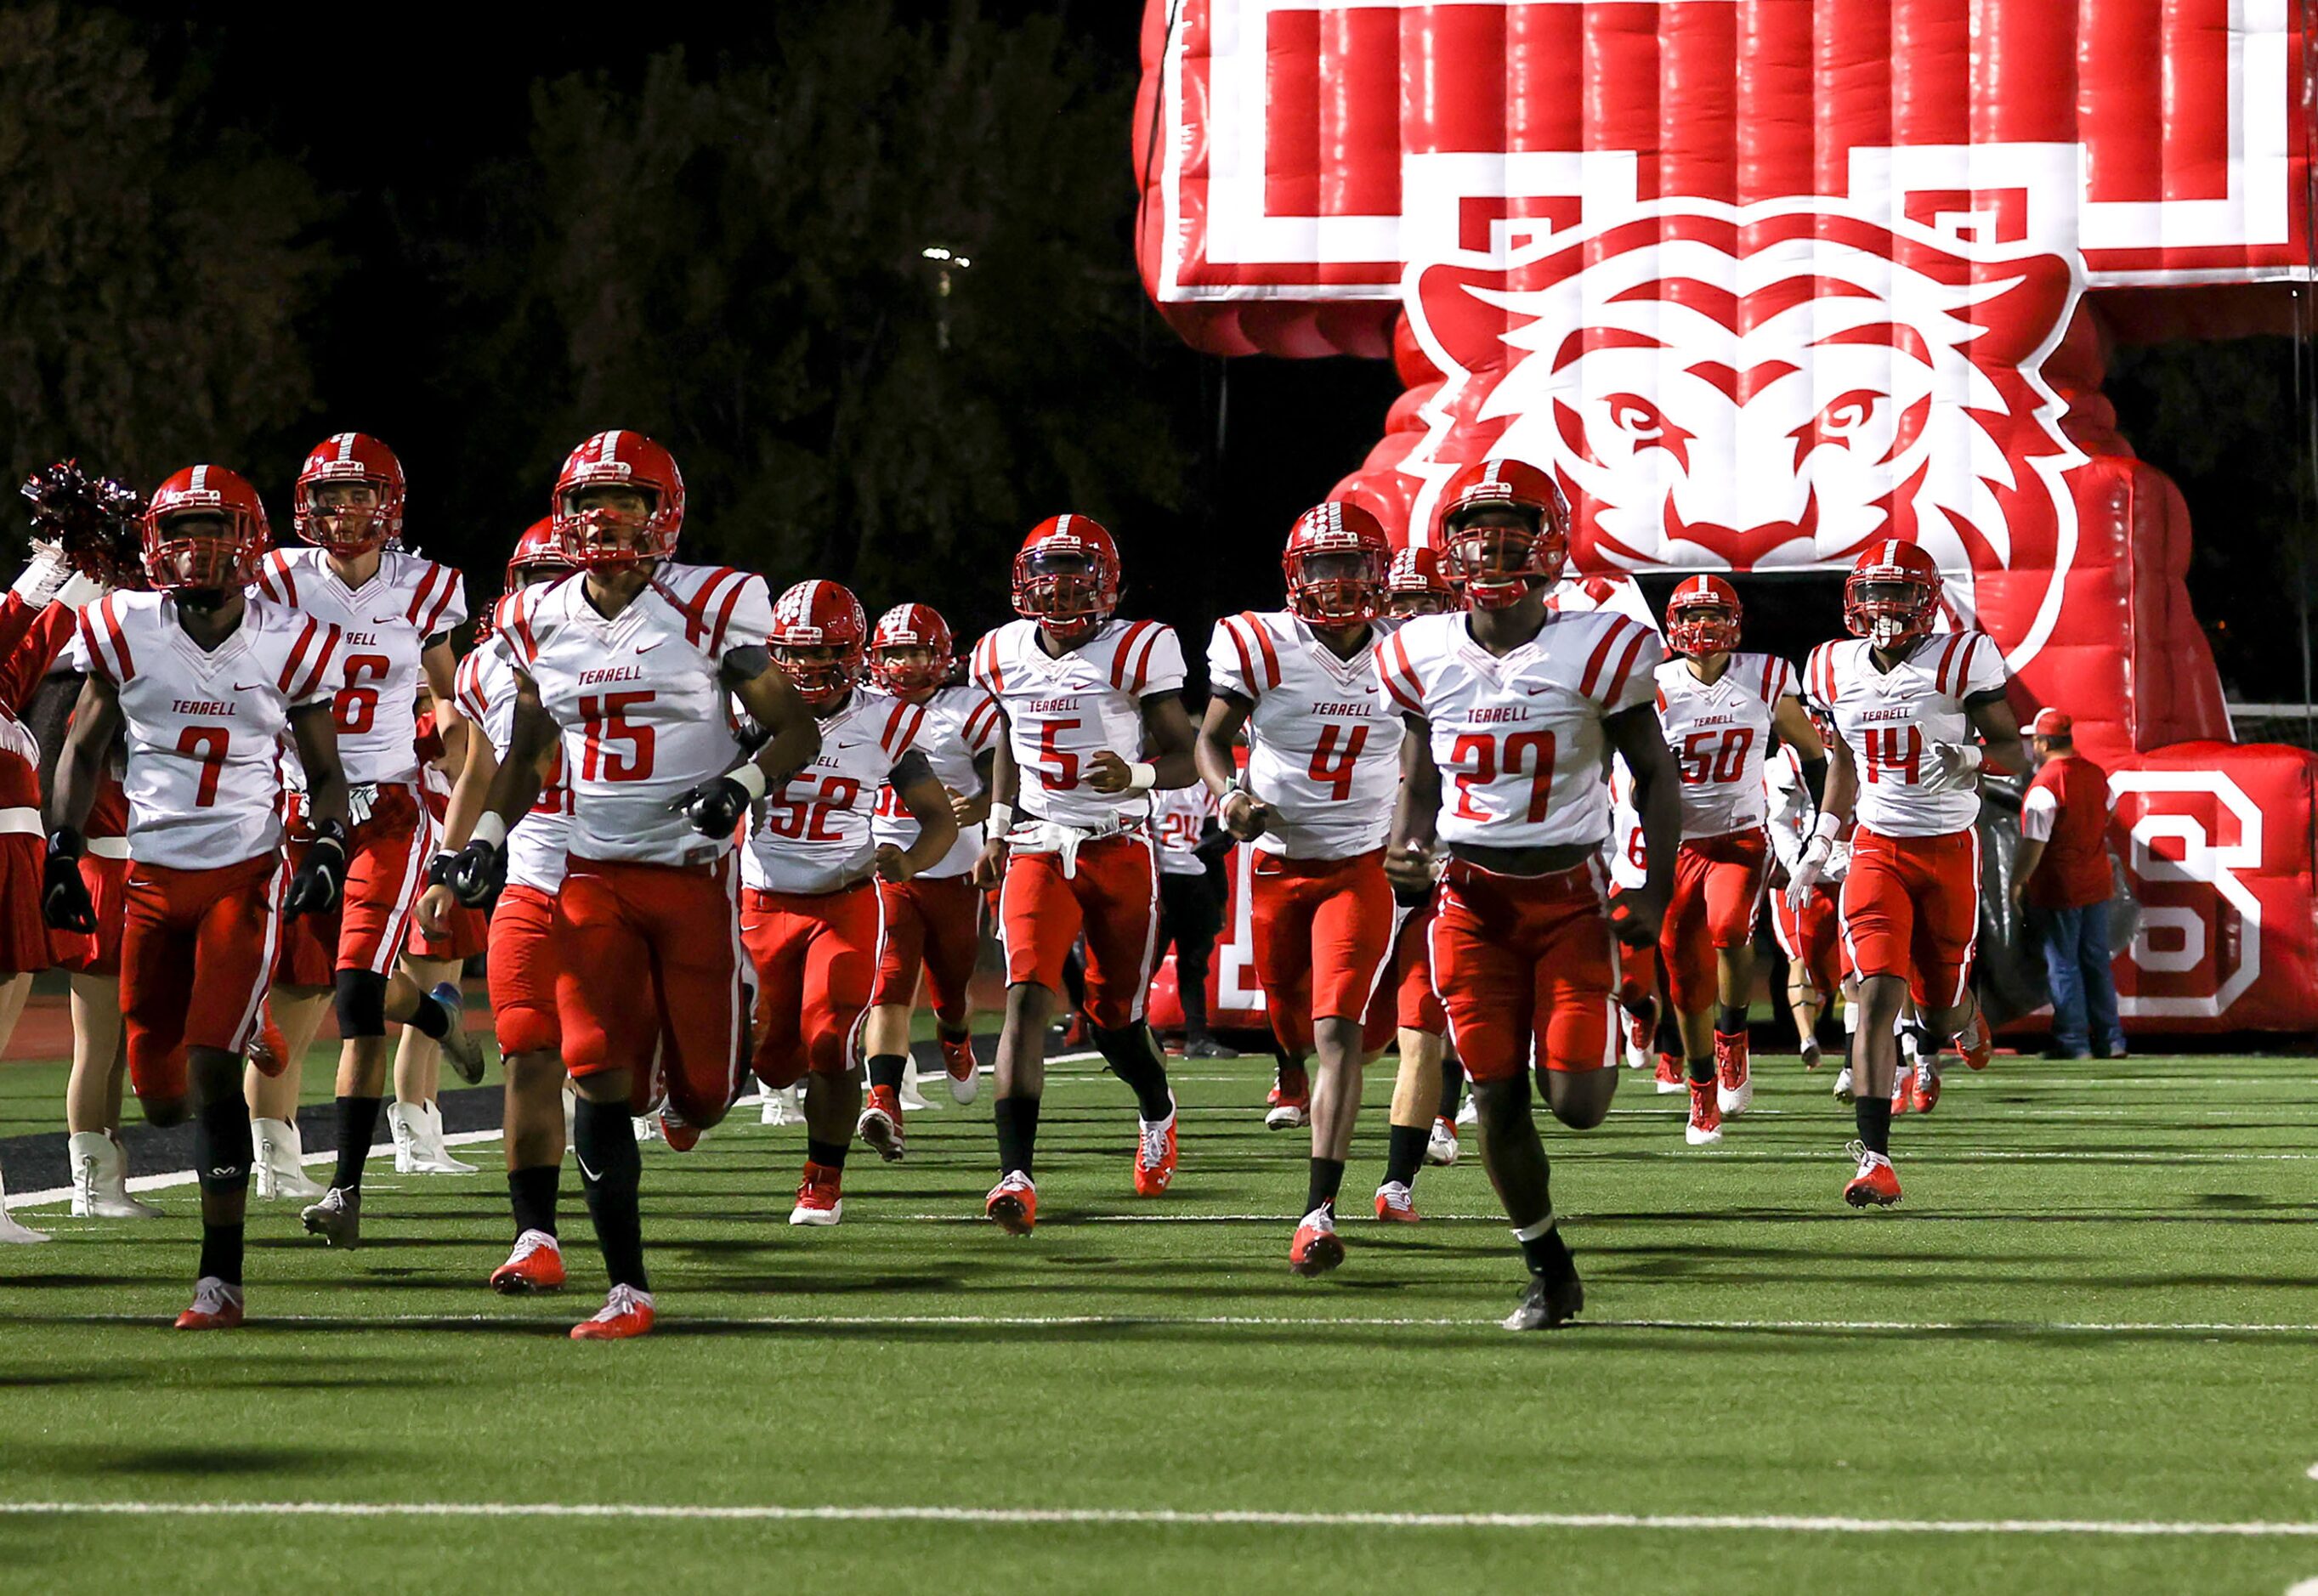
x,y
1789,1523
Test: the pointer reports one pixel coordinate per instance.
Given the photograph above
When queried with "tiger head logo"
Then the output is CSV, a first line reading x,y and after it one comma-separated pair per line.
x,y
1771,387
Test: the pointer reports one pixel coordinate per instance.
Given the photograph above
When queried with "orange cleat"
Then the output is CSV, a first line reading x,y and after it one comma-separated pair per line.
x,y
957,1059
1973,1044
1396,1204
1671,1077
1705,1126
1317,1248
1925,1096
1903,1091
536,1264
1154,1154
627,1313
820,1196
880,1124
1012,1205
1877,1183
216,1305
680,1138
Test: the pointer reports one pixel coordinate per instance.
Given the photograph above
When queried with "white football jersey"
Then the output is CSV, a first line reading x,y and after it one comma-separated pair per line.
x,y
815,832
961,725
1178,818
1518,740
383,626
644,715
537,847
1060,712
1889,720
1793,812
1718,732
1625,851
1324,741
204,773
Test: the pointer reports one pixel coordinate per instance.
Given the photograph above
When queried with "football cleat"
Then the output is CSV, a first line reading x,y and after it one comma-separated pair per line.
x,y
280,1164
1877,1183
679,1137
1705,1126
1973,1044
100,1179
964,1073
216,1305
1843,1092
820,1198
1440,1146
536,1264
1811,1052
1671,1075
1735,1088
626,1313
646,1127
1547,1305
908,1096
1287,1110
1468,1113
1154,1153
1926,1096
1315,1249
1903,1091
1012,1205
458,1044
1396,1204
880,1124
1639,1030
782,1106
336,1218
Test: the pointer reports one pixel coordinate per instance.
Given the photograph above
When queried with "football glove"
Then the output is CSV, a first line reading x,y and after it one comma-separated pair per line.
x,y
321,875
713,807
63,896
476,872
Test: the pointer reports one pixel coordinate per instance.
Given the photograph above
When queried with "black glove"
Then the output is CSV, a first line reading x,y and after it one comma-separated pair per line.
x,y
64,895
321,875
476,872
713,808
1412,897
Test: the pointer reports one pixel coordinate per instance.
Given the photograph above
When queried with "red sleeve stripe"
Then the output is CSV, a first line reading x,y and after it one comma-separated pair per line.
x,y
518,627
123,666
450,591
1625,666
694,610
469,688
980,725
1127,640
1271,654
724,615
993,680
280,563
1408,691
885,738
1770,670
297,652
1601,656
910,732
96,659
1821,670
324,657
1951,655
427,583
1230,624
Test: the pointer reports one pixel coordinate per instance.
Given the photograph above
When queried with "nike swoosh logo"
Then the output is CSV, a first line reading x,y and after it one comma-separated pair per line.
x,y
1533,692
580,1159
385,620
240,687
648,648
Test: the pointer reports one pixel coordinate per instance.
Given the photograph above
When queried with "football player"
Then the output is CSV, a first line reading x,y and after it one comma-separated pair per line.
x,y
1081,692
1315,801
933,920
1191,848
1905,704
521,948
395,611
630,663
1809,936
1517,709
1720,710
430,958
811,915
204,681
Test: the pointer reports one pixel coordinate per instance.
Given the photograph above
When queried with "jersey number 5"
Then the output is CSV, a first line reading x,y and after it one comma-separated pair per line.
x,y
1063,773
615,749
1480,750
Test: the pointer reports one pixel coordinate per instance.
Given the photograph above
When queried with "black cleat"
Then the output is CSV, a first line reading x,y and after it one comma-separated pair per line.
x,y
1548,1305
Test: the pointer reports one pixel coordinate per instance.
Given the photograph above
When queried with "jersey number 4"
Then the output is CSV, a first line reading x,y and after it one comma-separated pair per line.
x,y
1332,766
615,749
1490,755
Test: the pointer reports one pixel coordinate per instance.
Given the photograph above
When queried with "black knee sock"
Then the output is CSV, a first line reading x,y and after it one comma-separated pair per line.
x,y
951,1033
604,1141
221,1145
1453,1088
1548,1255
885,1068
1731,1019
431,1019
1133,1054
829,1155
1018,1134
1321,1185
531,1193
1700,1070
1873,1114
1405,1152
357,1123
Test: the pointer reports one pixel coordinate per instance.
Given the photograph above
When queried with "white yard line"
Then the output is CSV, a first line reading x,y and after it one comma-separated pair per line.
x,y
1716,1523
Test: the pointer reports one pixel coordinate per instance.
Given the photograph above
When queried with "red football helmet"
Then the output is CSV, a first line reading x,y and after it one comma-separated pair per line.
x,y
1414,584
352,458
818,635
1494,567
1892,593
177,559
595,538
1702,616
539,549
1349,544
912,627
1066,577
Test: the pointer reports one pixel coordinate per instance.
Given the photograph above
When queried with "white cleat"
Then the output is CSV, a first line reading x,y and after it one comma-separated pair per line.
x,y
464,1053
280,1164
11,1232
1441,1147
100,1179
1469,1114
1843,1084
784,1107
336,1218
911,1099
647,1128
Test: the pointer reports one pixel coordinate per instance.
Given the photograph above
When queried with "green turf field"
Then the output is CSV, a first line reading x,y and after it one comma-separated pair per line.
x,y
2095,1308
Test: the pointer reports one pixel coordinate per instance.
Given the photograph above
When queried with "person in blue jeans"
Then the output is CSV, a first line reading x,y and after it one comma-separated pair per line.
x,y
2061,871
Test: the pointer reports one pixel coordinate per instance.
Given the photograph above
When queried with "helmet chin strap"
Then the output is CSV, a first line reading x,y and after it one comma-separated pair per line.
x,y
202,599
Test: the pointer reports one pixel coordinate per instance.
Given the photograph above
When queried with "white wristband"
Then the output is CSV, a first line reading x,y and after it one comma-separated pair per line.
x,y
1971,756
751,777
489,829
1828,824
1142,776
1000,820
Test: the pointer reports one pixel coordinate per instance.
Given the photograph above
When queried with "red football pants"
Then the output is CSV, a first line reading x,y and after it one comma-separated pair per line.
x,y
937,925
816,958
651,959
1812,939
1113,898
386,872
1911,907
1523,960
522,967
196,946
1718,890
1323,931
